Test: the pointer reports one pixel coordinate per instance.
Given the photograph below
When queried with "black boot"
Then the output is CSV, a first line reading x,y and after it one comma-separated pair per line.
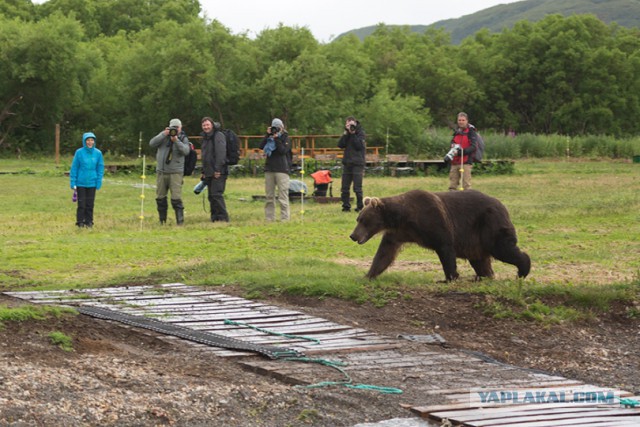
x,y
179,208
359,204
162,209
346,203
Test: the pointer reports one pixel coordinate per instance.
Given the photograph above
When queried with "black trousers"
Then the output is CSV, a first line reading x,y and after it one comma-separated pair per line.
x,y
351,174
86,200
216,187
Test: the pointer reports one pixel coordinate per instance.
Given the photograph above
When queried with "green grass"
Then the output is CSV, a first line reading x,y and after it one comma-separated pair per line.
x,y
579,221
32,312
62,340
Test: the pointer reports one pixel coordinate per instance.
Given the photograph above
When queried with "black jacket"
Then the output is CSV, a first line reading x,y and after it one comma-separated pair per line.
x,y
214,153
280,160
354,147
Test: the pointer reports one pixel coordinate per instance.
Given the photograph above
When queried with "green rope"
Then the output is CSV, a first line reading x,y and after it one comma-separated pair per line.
x,y
266,331
348,382
629,403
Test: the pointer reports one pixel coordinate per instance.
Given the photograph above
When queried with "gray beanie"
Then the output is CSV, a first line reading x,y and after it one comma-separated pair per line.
x,y
175,123
277,123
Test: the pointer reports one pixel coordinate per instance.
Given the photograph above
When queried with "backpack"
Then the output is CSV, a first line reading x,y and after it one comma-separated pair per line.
x,y
190,160
480,146
233,146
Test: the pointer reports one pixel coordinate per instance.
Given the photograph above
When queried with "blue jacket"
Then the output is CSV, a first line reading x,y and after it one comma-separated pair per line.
x,y
87,168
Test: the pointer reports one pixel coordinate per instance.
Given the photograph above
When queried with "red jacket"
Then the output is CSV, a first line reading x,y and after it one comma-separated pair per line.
x,y
466,138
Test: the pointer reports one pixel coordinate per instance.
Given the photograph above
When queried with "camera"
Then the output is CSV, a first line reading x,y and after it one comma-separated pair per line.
x,y
199,187
452,153
273,130
351,128
173,131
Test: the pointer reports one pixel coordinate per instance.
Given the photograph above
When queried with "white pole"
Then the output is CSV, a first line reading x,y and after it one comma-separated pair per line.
x,y
386,147
143,177
461,170
302,179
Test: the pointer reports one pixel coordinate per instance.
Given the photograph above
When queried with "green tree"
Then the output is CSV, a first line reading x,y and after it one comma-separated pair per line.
x,y
168,72
402,118
40,63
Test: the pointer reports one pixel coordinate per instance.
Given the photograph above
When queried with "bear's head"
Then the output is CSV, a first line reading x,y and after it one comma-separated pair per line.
x,y
370,220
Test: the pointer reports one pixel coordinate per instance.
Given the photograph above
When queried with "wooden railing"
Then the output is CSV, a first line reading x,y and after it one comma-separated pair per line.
x,y
302,146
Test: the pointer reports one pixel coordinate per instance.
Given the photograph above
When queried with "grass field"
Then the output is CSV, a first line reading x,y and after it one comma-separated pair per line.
x,y
579,221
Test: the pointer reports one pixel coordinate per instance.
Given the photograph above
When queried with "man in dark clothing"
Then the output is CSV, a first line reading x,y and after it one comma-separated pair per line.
x,y
214,167
277,149
353,161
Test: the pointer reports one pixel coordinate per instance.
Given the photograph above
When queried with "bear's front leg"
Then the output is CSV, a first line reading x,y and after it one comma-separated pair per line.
x,y
386,254
448,260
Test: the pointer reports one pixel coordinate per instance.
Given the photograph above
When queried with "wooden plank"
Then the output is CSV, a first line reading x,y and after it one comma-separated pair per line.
x,y
515,414
589,387
475,416
476,413
607,421
532,382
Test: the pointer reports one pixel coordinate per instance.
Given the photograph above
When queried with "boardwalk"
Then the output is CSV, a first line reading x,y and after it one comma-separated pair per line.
x,y
442,384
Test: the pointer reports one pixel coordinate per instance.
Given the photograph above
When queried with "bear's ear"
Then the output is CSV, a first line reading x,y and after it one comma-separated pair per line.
x,y
374,202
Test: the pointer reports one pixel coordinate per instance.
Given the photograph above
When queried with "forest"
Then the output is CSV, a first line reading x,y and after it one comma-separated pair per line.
x,y
123,68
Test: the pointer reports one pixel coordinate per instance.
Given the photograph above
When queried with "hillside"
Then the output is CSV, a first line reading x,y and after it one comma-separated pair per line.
x,y
624,12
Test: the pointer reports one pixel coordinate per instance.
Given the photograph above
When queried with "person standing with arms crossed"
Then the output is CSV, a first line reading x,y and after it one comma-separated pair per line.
x,y
172,146
85,176
353,160
214,167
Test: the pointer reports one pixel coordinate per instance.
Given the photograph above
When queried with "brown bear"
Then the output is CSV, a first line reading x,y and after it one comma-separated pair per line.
x,y
457,224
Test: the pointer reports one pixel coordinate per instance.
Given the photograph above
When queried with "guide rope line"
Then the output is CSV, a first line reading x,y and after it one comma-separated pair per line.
x,y
215,340
266,331
629,403
348,382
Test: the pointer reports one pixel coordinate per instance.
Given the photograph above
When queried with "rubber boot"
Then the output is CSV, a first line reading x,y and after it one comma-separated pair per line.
x,y
359,204
162,209
179,209
346,203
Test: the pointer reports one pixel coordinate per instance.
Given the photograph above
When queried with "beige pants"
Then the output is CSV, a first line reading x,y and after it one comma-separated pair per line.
x,y
166,182
271,181
454,177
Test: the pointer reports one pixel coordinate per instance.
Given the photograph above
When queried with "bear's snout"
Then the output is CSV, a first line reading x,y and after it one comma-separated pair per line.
x,y
360,236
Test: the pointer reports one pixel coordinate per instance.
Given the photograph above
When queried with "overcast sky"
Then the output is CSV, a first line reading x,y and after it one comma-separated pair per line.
x,y
329,18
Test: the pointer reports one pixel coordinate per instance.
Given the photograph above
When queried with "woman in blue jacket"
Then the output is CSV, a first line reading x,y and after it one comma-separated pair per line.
x,y
87,170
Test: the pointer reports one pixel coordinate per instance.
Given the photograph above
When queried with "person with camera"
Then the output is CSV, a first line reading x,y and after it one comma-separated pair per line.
x,y
460,155
277,149
85,176
172,146
353,161
214,167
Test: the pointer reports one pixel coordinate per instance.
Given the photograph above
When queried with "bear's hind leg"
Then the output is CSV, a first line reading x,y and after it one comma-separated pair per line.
x,y
482,267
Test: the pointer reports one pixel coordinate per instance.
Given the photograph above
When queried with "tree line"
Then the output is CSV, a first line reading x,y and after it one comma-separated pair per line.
x,y
121,68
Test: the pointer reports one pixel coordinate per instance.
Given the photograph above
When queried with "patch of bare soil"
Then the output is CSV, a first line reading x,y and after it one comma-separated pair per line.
x,y
121,376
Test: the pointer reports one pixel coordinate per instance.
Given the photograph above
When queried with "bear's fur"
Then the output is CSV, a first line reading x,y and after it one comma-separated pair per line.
x,y
456,224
